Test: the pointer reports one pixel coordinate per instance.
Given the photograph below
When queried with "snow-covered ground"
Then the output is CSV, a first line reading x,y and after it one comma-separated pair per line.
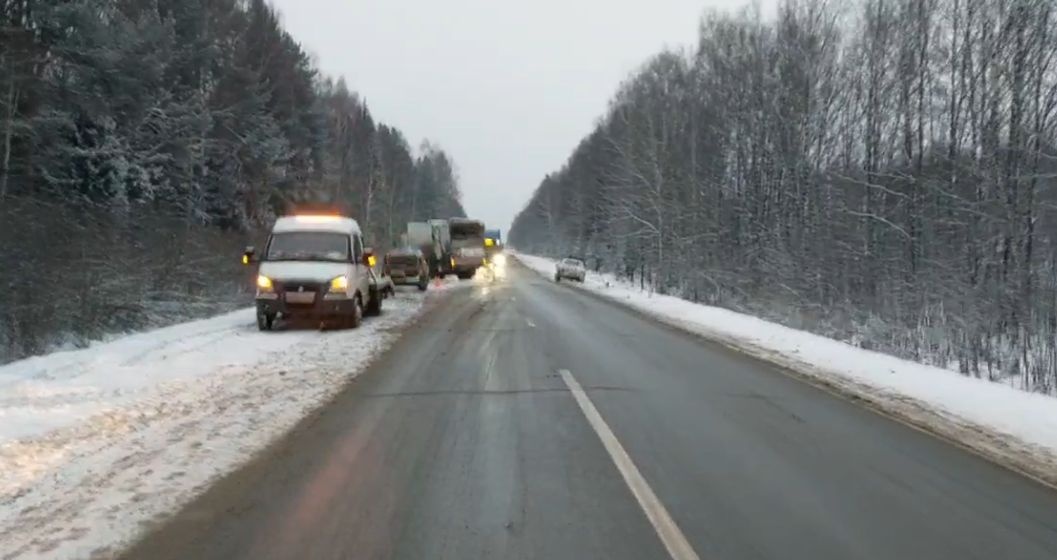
x,y
1014,427
95,444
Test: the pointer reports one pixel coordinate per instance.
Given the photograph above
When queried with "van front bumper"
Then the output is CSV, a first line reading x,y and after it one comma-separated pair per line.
x,y
319,307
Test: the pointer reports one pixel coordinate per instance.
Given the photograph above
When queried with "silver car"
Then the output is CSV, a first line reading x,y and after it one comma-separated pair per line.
x,y
570,268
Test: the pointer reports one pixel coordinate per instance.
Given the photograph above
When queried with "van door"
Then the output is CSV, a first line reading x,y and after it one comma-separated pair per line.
x,y
365,273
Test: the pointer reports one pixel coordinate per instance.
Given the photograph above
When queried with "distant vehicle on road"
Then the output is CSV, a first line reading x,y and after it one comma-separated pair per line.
x,y
570,268
317,266
493,238
493,242
467,246
407,267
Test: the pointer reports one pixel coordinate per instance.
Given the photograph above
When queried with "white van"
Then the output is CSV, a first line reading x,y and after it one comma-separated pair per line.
x,y
315,266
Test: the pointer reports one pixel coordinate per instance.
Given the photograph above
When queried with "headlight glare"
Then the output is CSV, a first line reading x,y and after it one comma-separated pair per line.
x,y
339,284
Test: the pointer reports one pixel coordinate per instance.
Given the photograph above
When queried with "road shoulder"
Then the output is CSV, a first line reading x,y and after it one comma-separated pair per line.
x,y
201,400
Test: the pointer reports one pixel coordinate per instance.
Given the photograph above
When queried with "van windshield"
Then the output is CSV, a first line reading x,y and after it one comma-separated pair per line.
x,y
308,246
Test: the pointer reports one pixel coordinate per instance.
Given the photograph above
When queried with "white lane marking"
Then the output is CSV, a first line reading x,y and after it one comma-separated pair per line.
x,y
530,323
672,537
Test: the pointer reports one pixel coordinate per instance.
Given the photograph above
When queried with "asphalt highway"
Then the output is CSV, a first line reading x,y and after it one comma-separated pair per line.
x,y
525,419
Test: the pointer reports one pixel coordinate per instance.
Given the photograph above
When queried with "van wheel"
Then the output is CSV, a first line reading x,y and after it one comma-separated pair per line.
x,y
356,318
265,321
557,277
374,305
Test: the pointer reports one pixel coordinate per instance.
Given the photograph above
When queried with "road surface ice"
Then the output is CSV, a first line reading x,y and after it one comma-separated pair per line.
x,y
97,443
1008,425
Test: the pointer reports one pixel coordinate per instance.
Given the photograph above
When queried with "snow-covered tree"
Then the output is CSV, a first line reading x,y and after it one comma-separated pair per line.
x,y
143,143
879,171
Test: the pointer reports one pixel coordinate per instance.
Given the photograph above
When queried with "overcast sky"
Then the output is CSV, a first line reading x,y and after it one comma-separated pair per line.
x,y
507,88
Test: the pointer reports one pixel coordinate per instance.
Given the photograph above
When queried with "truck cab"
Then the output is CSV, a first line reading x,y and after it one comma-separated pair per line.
x,y
493,242
467,246
315,266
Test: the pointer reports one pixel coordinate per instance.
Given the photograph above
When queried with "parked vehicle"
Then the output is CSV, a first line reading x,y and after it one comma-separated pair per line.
x,y
315,265
570,268
467,246
407,267
442,233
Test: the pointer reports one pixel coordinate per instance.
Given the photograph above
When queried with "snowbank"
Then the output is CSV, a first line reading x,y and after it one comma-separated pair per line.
x,y
97,443
1016,428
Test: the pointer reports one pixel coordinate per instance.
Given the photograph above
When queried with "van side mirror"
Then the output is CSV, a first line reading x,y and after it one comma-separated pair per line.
x,y
249,256
368,257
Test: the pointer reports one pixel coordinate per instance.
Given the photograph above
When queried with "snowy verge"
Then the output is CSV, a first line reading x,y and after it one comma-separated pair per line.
x,y
1009,426
98,444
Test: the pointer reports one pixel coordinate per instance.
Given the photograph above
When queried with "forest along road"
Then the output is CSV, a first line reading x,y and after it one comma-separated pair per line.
x,y
526,419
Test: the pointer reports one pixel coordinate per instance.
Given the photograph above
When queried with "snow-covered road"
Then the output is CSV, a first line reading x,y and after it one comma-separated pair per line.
x,y
97,443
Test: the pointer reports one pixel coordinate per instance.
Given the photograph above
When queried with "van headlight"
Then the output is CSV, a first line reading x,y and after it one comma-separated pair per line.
x,y
339,288
264,284
340,284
